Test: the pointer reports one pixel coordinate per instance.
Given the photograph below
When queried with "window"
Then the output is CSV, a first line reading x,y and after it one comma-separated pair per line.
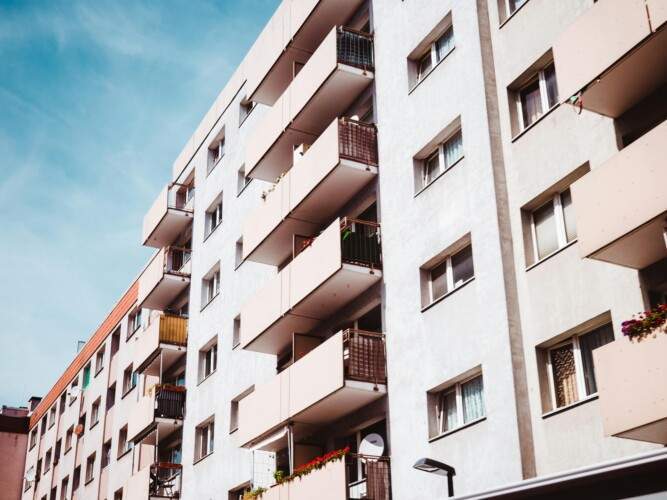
x,y
513,5
245,108
43,424
74,390
33,438
537,96
123,444
133,322
56,452
234,409
236,332
115,342
106,453
90,465
208,359
118,495
435,52
95,413
204,439
241,180
52,416
130,378
111,396
54,493
86,376
553,225
447,274
63,488
216,150
68,438
214,215
99,361
211,286
81,426
570,366
457,405
63,402
47,460
238,257
444,157
76,478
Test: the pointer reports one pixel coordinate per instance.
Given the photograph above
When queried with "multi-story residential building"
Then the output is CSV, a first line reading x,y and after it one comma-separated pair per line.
x,y
418,229
13,446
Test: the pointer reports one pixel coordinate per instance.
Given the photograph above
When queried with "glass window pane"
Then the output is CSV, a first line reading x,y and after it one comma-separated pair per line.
x,y
564,374
445,44
472,394
462,266
545,230
431,168
439,281
453,149
568,215
552,85
515,4
424,65
448,417
531,104
587,344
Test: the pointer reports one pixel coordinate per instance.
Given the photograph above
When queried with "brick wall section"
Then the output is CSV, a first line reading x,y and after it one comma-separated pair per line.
x,y
123,306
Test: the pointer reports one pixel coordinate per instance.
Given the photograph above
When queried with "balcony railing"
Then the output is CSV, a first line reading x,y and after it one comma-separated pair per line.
x,y
170,402
165,480
355,48
175,259
375,472
173,329
365,356
169,215
357,141
360,243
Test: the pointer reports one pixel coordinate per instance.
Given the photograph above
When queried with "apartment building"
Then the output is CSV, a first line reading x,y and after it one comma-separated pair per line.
x,y
418,230
13,446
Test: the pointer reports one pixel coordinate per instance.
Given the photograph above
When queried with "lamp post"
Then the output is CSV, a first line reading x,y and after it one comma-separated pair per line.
x,y
435,467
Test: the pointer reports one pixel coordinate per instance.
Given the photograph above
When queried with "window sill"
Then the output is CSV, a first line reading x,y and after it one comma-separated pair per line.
x,y
212,299
131,334
240,191
72,401
93,425
67,451
534,124
243,120
460,428
212,231
419,82
124,453
51,425
212,168
32,446
88,481
98,372
202,458
424,188
555,252
206,378
235,345
562,409
232,431
513,14
440,299
127,392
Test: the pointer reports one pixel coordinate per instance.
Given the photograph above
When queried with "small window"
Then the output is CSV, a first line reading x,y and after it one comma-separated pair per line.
x,y
54,493
537,96
115,342
43,424
81,427
86,377
68,438
111,396
236,332
204,439
245,108
63,488
124,445
211,286
447,274
216,150
511,6
437,49
133,322
130,378
95,413
63,403
99,361
553,225
56,451
570,366
214,215
90,466
238,257
76,478
106,453
33,438
241,180
234,409
118,495
73,391
52,416
47,460
208,359
443,158
457,405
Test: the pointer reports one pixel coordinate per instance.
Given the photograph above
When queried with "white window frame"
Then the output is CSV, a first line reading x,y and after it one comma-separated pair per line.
x,y
544,96
561,231
508,8
442,166
95,412
214,217
90,466
212,352
449,275
439,408
212,287
208,444
432,52
99,360
578,371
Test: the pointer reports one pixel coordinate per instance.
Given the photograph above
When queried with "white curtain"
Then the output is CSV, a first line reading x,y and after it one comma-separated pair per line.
x,y
531,104
448,417
568,215
545,230
473,399
453,149
445,44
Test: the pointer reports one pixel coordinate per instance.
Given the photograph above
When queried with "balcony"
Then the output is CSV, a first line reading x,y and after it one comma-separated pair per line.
x,y
157,414
614,54
630,378
333,482
339,376
335,75
337,166
166,276
161,343
162,480
326,273
621,205
170,214
291,36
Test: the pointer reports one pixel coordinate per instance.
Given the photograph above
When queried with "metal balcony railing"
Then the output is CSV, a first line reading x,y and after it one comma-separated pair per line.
x,y
165,480
357,141
179,196
368,477
360,243
365,356
355,48
170,401
175,258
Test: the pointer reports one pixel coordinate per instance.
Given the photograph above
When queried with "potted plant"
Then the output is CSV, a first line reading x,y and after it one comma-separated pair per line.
x,y
646,324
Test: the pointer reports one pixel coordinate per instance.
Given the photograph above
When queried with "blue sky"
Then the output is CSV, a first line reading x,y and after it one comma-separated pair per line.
x,y
97,99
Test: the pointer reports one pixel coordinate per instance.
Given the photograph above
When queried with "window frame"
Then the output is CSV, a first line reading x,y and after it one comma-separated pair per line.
x,y
439,153
212,351
95,412
433,56
211,287
90,466
561,228
205,429
540,76
456,388
213,214
449,275
99,360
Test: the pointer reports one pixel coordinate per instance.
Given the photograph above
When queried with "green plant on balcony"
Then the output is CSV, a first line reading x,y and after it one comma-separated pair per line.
x,y
647,323
279,476
317,463
254,493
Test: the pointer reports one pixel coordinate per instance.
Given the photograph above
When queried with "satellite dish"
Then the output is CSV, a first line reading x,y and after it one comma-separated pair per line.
x,y
371,447
30,475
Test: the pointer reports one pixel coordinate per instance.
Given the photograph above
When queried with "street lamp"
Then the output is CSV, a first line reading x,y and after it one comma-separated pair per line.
x,y
435,467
